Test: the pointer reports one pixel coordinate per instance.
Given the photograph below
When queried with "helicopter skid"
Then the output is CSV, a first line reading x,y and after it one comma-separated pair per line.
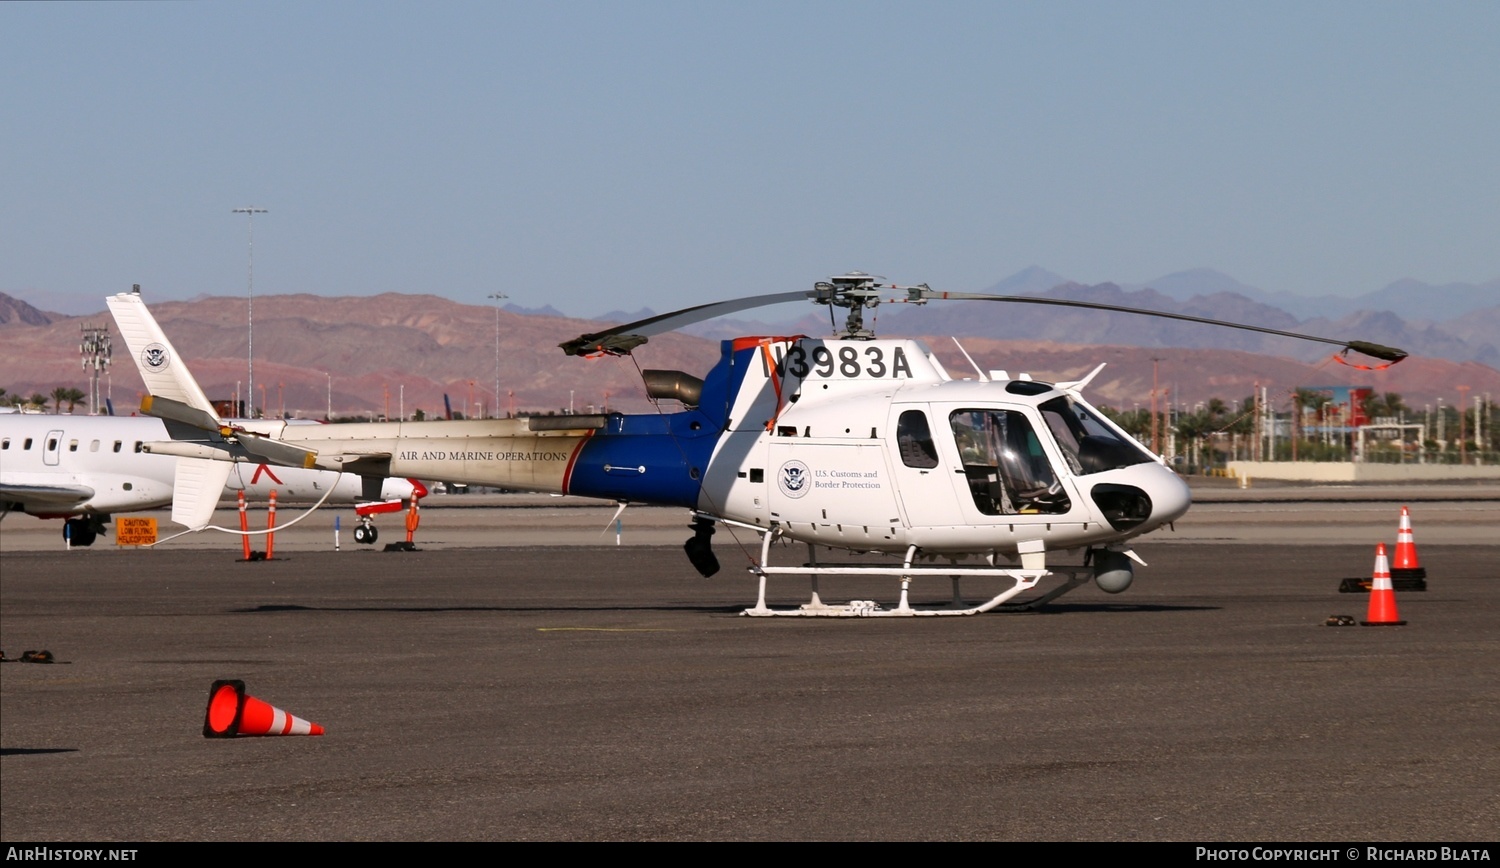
x,y
1022,580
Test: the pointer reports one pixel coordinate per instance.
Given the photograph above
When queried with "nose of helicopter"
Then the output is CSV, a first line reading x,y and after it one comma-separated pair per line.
x,y
1170,496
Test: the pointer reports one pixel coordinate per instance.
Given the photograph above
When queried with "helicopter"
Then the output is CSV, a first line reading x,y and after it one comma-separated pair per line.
x,y
852,443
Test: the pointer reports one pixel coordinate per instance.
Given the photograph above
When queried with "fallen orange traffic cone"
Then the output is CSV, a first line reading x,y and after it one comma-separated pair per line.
x,y
1382,594
233,713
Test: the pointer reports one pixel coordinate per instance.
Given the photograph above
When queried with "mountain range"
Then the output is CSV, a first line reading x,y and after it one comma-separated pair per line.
x,y
395,352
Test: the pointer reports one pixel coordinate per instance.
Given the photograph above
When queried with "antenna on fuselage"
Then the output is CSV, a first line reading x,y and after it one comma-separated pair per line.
x,y
977,369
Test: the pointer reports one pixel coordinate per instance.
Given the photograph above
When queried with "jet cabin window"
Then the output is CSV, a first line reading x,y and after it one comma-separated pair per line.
x,y
915,440
1007,471
1088,443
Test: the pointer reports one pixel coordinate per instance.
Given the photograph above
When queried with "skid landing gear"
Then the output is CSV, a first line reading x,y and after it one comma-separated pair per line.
x,y
1021,580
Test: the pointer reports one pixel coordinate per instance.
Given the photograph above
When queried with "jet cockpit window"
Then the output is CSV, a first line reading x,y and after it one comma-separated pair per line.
x,y
1088,442
1007,470
915,440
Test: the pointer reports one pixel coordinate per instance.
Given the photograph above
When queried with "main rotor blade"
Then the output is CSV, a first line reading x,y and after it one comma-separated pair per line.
x,y
620,340
277,452
1389,354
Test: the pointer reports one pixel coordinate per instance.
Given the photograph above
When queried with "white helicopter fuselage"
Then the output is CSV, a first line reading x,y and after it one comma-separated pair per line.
x,y
869,445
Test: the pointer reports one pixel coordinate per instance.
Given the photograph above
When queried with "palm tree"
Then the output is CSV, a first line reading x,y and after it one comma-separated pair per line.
x,y
73,396
1301,400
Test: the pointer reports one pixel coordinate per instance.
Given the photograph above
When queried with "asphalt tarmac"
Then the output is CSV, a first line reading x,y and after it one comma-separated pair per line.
x,y
522,677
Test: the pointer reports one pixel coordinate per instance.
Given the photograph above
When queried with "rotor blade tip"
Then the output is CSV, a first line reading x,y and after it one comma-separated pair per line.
x,y
1384,353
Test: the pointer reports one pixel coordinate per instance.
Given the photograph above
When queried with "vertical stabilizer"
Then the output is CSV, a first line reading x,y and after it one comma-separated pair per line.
x,y
165,373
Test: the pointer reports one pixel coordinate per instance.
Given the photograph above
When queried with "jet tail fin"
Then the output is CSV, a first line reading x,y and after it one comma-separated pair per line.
x,y
196,489
165,373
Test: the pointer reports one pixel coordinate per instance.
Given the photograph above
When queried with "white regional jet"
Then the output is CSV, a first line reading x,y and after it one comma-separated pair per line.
x,y
85,468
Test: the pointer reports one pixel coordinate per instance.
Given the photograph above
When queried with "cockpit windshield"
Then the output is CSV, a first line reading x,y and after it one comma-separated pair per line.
x,y
1088,442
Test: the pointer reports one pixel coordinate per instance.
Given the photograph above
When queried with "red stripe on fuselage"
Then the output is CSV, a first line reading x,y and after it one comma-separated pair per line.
x,y
751,343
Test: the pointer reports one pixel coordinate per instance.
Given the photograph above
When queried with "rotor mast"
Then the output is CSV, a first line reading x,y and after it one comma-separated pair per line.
x,y
855,291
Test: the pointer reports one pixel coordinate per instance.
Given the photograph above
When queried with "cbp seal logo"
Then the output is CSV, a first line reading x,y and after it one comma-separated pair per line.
x,y
156,358
794,479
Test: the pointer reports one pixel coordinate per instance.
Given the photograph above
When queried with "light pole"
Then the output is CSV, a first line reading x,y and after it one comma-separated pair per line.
x,y
328,416
497,296
1463,448
95,350
250,305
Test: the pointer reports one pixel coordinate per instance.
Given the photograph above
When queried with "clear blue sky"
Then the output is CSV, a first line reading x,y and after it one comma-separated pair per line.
x,y
599,155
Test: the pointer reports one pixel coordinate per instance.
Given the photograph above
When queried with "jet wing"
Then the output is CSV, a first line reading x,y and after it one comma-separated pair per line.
x,y
45,497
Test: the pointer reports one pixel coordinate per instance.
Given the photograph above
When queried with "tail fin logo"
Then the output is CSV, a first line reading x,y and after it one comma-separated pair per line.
x,y
156,358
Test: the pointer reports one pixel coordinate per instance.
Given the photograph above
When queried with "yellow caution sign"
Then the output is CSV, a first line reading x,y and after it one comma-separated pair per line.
x,y
135,531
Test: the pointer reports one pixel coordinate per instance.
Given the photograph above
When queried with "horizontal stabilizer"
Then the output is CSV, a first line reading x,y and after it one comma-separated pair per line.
x,y
195,490
176,411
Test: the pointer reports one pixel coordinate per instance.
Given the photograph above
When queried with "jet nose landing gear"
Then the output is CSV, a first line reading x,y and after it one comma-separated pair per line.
x,y
365,533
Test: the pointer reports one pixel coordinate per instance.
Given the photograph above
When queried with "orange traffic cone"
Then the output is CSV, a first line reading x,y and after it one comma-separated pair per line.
x,y
1406,564
233,713
1382,594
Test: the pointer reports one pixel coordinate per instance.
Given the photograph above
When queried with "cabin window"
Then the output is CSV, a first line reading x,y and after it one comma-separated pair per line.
x,y
94,446
52,444
27,444
1007,471
117,446
72,445
138,446
5,444
914,439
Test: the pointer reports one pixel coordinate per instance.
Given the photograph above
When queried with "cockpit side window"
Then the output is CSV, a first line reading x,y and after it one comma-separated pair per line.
x,y
1089,444
915,440
1007,470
